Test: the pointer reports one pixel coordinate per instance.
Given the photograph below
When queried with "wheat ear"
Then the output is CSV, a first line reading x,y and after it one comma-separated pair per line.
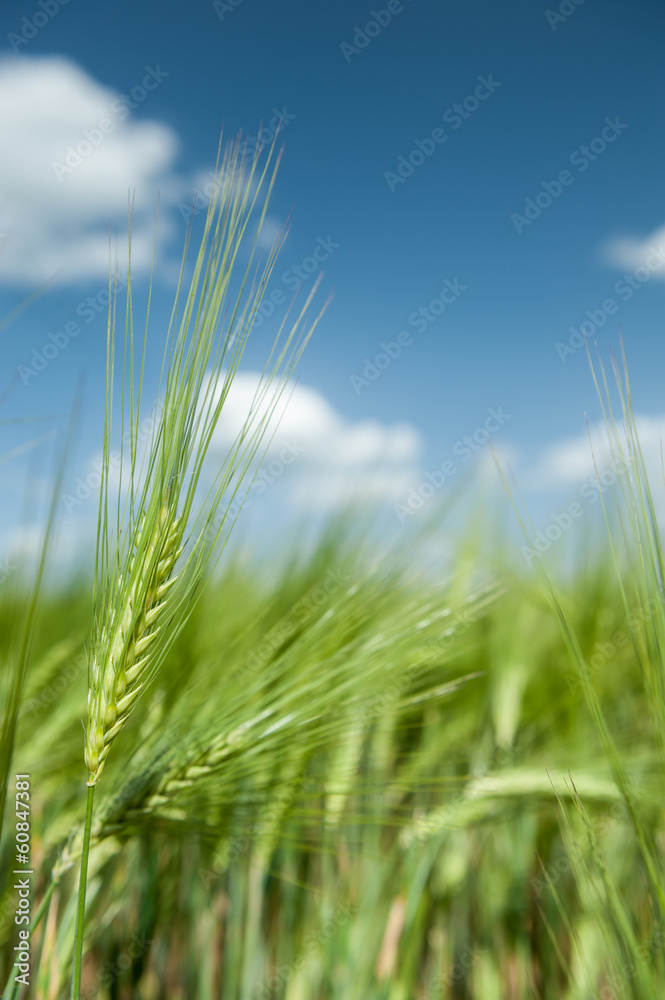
x,y
121,663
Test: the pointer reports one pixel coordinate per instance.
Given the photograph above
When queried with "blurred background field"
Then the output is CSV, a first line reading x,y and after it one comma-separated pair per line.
x,y
362,777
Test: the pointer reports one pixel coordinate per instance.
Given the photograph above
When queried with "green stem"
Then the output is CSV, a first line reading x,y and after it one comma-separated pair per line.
x,y
41,909
80,912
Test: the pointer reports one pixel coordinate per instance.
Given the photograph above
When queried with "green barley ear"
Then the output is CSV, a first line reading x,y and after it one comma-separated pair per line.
x,y
141,532
121,659
144,591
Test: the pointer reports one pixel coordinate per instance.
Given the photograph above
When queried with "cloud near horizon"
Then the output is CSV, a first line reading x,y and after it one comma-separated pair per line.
x,y
569,463
324,459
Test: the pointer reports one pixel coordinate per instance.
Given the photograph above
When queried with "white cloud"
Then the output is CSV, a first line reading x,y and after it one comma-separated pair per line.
x,y
72,152
335,459
635,253
56,220
271,232
570,463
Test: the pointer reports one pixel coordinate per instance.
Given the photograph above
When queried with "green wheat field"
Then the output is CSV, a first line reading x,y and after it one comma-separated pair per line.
x,y
357,776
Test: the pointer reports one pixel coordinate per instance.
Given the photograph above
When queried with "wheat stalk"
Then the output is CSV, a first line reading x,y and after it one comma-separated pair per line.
x,y
140,537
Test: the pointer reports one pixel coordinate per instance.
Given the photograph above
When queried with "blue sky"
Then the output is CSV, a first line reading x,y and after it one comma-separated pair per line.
x,y
547,111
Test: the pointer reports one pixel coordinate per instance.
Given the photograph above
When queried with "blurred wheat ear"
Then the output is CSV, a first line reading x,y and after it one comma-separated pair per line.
x,y
153,547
